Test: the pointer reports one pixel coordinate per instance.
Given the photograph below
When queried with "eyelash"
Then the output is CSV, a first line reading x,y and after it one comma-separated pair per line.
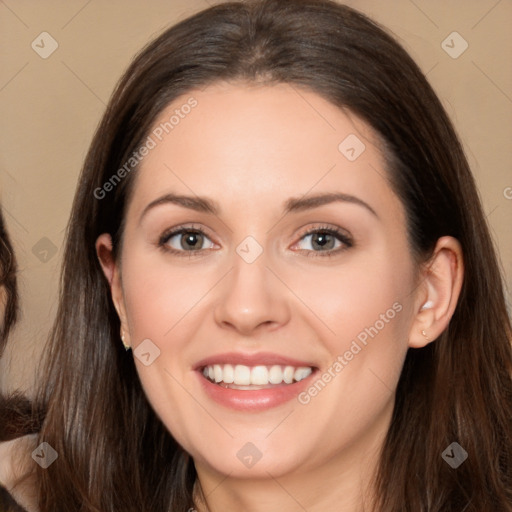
x,y
341,236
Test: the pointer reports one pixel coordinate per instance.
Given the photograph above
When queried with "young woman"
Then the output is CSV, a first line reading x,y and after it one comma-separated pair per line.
x,y
18,424
278,219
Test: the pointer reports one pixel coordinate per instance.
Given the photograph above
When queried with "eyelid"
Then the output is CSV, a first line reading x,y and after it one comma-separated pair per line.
x,y
168,233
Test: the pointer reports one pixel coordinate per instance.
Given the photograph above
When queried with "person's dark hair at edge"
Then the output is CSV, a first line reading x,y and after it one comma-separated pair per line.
x,y
16,415
8,283
114,453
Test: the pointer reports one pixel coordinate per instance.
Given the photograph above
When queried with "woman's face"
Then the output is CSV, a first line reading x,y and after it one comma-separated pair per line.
x,y
264,248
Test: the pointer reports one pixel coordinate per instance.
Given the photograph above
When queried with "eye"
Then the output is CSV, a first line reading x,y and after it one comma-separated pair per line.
x,y
185,239
324,240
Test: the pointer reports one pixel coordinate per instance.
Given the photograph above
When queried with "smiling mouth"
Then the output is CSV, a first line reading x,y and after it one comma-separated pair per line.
x,y
249,378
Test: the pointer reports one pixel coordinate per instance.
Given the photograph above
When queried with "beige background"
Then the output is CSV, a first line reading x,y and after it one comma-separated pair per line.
x,y
50,108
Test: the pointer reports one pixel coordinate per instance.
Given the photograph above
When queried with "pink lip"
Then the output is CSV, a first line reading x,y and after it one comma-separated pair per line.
x,y
262,358
259,399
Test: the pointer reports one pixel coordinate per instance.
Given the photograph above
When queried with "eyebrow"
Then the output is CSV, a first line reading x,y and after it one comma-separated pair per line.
x,y
205,205
314,201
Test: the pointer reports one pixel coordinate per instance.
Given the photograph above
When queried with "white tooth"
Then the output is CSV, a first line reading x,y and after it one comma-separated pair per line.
x,y
210,372
217,372
228,374
288,374
205,371
259,375
302,373
275,375
242,375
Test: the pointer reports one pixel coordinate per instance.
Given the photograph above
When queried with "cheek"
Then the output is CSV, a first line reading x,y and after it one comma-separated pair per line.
x,y
159,295
362,298
363,315
161,303
165,304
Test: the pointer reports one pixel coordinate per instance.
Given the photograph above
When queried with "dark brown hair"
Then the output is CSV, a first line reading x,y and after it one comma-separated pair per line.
x,y
8,283
114,453
16,415
14,410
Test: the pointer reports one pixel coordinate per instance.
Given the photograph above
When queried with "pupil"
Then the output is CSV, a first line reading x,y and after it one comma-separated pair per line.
x,y
190,240
322,240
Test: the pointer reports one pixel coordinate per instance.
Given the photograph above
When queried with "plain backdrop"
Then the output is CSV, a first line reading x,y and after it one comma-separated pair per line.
x,y
51,106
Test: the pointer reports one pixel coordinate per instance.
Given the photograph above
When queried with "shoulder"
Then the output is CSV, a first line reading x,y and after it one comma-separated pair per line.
x,y
16,470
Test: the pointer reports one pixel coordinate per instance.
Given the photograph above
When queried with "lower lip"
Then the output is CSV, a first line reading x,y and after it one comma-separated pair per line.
x,y
256,400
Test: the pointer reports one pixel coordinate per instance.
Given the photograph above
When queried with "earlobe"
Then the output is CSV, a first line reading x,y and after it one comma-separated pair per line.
x,y
443,277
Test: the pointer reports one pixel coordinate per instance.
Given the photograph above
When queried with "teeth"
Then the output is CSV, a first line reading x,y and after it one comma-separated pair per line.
x,y
241,375
301,373
288,374
228,374
275,375
217,372
259,375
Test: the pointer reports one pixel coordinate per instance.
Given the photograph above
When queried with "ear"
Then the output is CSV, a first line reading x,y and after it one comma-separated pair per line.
x,y
437,299
112,272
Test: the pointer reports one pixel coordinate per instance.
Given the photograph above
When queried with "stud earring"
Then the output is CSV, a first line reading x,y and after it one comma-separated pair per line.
x,y
126,347
427,305
425,335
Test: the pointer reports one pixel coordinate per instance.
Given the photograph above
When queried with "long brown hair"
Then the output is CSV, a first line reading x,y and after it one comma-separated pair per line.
x,y
114,452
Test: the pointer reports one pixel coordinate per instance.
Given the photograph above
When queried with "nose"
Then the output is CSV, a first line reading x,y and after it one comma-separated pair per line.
x,y
252,299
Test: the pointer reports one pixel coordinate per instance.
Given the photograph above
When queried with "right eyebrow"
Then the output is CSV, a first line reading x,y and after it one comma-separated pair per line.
x,y
196,203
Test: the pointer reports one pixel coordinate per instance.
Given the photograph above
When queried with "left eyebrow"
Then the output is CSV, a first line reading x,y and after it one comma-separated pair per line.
x,y
314,201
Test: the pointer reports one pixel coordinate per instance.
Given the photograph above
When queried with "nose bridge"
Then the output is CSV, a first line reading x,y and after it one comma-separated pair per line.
x,y
251,295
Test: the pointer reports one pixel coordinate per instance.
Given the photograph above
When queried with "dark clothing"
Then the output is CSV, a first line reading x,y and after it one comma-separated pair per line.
x,y
7,504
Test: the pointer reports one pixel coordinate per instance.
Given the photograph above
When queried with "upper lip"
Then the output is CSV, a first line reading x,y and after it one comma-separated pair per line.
x,y
258,359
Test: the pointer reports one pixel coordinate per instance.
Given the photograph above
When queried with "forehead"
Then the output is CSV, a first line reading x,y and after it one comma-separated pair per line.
x,y
250,144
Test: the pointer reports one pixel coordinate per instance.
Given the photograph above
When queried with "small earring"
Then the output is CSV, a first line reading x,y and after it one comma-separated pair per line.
x,y
425,335
427,305
126,347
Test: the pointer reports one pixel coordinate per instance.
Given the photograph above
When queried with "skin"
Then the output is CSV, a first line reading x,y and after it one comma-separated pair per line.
x,y
16,471
251,148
